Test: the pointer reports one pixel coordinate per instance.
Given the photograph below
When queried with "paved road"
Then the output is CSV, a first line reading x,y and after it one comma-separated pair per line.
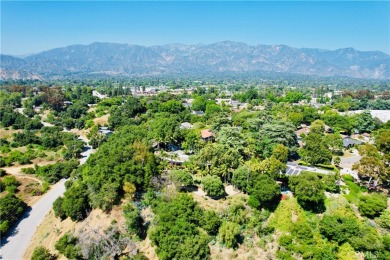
x,y
15,245
17,242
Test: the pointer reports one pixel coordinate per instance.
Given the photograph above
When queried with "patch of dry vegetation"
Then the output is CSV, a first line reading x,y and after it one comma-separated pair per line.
x,y
52,229
103,120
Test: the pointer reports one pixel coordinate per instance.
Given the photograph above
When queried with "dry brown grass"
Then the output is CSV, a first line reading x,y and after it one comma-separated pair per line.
x,y
7,134
103,120
91,109
348,154
27,185
53,228
16,169
83,132
24,191
218,205
250,249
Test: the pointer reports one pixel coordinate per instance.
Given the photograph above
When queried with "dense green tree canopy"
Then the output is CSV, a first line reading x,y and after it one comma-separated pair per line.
x,y
309,190
265,190
176,234
216,159
272,134
315,150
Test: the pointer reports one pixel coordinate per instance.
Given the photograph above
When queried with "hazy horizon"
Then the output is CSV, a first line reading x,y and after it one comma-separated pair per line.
x,y
136,44
34,26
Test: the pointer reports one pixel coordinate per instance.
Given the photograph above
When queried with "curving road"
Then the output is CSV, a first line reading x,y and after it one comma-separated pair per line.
x,y
15,245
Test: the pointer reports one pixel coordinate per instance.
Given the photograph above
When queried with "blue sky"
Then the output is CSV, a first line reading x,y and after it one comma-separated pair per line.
x,y
33,26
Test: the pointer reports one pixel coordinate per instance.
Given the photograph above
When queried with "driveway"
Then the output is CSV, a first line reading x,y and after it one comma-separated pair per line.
x,y
348,162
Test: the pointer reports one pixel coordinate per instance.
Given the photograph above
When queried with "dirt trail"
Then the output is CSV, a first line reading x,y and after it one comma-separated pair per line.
x,y
17,170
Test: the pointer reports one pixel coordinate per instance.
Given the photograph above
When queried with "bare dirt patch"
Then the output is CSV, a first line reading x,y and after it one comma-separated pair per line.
x,y
231,191
147,249
27,186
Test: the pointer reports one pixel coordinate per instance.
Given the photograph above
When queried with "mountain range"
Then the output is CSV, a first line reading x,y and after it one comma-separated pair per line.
x,y
113,59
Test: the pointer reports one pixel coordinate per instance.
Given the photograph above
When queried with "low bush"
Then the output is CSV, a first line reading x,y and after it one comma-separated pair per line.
x,y
67,245
42,253
372,205
384,220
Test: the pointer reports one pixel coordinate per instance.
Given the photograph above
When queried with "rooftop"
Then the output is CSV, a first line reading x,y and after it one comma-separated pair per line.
x,y
206,133
349,141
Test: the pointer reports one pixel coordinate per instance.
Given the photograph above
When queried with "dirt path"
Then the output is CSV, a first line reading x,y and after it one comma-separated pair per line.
x,y
17,170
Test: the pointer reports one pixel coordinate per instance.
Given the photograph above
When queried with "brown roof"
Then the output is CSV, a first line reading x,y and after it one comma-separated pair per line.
x,y
206,133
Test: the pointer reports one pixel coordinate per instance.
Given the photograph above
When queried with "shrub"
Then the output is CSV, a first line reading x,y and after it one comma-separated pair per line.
x,y
347,177
384,220
54,172
25,138
57,207
339,228
133,219
176,232
309,190
28,170
213,186
229,233
11,189
210,222
240,178
10,181
346,252
366,240
329,182
75,203
181,178
282,220
67,245
42,253
253,202
372,205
